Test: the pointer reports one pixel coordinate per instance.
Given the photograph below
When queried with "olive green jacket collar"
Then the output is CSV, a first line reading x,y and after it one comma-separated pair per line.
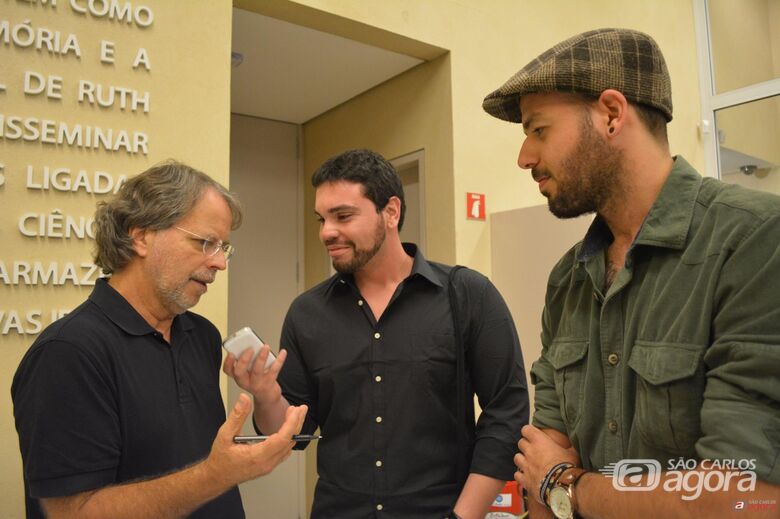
x,y
668,222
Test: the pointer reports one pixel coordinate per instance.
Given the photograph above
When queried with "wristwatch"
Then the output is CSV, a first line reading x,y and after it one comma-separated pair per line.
x,y
561,499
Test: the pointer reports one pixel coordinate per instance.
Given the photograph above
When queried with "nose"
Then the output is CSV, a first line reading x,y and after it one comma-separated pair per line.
x,y
217,261
527,158
328,231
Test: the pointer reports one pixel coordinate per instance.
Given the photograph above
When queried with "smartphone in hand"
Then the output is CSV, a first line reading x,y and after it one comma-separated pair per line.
x,y
295,438
244,339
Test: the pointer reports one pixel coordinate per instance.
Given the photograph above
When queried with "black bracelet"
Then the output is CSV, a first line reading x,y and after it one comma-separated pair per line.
x,y
452,515
556,469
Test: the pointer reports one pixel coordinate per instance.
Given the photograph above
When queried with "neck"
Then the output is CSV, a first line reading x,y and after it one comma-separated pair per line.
x,y
133,286
389,266
643,176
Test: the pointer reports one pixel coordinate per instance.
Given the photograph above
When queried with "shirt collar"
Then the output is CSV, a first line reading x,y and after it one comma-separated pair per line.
x,y
420,267
668,221
122,313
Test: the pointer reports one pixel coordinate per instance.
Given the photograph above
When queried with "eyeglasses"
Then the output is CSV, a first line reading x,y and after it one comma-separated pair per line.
x,y
211,247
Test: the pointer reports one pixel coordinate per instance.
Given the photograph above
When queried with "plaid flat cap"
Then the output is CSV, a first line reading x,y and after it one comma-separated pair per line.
x,y
623,59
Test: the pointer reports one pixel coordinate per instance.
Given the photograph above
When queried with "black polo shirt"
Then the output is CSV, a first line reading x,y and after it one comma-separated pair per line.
x,y
101,399
383,393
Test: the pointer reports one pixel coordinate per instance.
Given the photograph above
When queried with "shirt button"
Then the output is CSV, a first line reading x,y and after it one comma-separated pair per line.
x,y
378,378
613,358
378,419
378,463
379,506
612,426
360,302
377,335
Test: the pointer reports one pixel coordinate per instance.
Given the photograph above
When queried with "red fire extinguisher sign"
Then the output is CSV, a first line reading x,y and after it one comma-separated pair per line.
x,y
475,206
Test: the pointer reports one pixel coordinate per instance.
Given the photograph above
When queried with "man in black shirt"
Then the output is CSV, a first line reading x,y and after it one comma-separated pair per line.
x,y
372,352
117,403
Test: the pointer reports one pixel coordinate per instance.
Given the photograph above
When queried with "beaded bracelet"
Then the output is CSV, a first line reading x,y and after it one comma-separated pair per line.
x,y
553,472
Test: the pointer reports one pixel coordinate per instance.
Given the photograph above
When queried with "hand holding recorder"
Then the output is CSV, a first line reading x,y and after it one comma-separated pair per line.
x,y
255,369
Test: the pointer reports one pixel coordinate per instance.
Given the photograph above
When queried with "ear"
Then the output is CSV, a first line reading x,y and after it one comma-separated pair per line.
x,y
141,241
612,108
392,212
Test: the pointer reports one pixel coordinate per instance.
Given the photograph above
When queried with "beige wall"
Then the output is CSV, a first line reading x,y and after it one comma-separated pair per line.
x,y
188,119
488,41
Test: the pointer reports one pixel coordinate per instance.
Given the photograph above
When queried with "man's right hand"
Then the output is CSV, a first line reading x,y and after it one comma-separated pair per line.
x,y
261,383
180,493
235,463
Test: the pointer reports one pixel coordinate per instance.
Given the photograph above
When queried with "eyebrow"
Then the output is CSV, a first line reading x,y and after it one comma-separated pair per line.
x,y
338,208
526,123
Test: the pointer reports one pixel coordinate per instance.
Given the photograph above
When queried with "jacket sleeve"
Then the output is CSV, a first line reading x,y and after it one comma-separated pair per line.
x,y
742,392
547,411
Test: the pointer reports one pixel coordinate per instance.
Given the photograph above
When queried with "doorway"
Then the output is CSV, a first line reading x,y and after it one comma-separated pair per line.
x,y
264,275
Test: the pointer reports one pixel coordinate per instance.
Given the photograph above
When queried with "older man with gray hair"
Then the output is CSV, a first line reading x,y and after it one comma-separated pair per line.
x,y
118,405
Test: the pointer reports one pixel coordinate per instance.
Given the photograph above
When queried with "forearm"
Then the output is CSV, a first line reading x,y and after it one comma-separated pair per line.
x,y
269,417
168,497
477,495
598,499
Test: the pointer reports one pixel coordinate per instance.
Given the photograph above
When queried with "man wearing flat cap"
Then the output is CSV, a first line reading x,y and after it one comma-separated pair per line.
x,y
661,328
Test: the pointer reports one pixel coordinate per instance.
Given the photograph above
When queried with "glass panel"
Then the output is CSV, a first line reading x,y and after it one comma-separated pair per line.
x,y
749,144
745,37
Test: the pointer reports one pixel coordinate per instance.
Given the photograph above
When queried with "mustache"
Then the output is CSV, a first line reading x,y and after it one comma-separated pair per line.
x,y
538,174
205,277
334,241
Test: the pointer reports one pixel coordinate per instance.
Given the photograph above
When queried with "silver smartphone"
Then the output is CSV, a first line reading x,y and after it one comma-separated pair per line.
x,y
244,339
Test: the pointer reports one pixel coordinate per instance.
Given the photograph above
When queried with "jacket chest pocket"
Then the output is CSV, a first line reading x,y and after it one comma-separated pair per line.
x,y
669,394
567,358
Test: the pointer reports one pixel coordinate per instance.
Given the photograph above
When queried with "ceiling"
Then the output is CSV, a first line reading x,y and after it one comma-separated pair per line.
x,y
292,73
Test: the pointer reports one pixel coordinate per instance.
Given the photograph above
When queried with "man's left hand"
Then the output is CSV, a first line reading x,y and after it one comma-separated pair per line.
x,y
538,454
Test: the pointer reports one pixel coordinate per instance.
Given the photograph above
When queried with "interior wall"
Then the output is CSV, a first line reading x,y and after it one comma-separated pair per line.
x,y
520,271
488,42
184,69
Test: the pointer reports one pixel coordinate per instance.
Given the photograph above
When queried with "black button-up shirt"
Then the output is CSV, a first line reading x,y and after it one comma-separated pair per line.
x,y
383,392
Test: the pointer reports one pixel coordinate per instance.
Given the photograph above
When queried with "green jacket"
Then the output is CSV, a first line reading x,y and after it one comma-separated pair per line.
x,y
681,356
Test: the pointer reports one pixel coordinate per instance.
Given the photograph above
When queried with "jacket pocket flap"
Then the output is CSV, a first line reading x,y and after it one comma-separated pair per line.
x,y
661,363
565,353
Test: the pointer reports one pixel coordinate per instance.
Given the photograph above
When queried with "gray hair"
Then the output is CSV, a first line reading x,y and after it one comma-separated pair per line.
x,y
155,199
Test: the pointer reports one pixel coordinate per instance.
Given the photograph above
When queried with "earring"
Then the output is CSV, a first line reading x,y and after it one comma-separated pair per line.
x,y
611,129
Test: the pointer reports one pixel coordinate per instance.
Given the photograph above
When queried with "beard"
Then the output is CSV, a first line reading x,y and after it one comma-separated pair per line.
x,y
175,297
361,256
171,284
589,176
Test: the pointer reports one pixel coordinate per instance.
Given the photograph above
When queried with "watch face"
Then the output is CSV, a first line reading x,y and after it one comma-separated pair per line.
x,y
560,503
